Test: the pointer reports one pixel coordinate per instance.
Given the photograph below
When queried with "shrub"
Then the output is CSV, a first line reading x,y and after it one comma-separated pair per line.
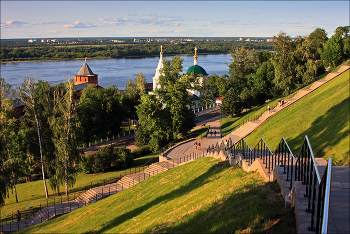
x,y
121,158
105,158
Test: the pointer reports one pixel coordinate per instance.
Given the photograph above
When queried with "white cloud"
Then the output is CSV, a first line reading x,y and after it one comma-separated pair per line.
x,y
13,23
78,24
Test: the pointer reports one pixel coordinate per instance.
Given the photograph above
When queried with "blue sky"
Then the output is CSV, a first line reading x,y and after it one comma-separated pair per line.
x,y
55,19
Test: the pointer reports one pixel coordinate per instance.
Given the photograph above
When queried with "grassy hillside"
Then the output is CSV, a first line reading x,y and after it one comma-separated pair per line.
x,y
199,197
322,115
32,193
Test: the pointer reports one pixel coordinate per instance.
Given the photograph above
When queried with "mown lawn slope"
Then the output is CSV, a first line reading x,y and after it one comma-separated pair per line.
x,y
199,197
323,115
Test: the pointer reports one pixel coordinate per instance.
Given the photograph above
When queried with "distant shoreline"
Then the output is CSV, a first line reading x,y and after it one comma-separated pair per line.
x,y
135,56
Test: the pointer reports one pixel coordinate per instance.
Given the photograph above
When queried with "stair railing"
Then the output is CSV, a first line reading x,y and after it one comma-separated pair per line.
x,y
284,156
261,150
317,187
243,148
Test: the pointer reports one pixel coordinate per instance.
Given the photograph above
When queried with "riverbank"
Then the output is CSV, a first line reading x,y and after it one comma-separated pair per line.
x,y
122,57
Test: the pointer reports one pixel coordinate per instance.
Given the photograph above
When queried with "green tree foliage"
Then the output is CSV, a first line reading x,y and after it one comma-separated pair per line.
x,y
232,104
333,51
154,123
64,125
29,97
166,114
106,158
174,95
241,67
132,95
219,85
284,62
9,155
100,112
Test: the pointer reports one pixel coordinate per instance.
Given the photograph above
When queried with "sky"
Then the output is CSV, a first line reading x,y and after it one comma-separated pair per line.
x,y
57,19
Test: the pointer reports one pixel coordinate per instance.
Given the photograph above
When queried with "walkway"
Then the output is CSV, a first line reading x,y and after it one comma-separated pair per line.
x,y
249,127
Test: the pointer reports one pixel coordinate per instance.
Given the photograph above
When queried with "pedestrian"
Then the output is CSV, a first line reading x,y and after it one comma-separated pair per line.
x,y
268,108
225,144
279,102
18,216
282,102
214,132
195,145
199,145
211,132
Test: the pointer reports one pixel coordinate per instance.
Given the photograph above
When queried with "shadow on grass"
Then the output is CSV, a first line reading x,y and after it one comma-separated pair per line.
x,y
326,131
194,184
260,209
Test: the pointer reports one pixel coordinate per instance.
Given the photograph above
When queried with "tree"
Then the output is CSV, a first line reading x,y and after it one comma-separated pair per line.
x,y
9,163
154,121
232,103
284,62
241,67
27,93
343,31
219,85
133,91
100,112
174,95
64,125
333,51
262,82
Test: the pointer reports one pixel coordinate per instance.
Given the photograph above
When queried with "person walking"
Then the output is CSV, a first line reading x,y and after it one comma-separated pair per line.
x,y
18,216
195,145
199,145
268,108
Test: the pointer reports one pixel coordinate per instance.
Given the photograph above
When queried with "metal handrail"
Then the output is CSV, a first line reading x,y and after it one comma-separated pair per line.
x,y
313,159
324,226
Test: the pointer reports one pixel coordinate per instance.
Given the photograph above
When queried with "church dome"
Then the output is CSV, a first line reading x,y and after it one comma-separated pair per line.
x,y
196,69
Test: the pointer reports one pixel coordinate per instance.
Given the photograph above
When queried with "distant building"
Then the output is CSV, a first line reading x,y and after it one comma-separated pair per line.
x,y
31,40
85,75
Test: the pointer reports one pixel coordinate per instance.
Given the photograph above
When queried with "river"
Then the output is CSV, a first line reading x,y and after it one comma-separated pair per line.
x,y
110,71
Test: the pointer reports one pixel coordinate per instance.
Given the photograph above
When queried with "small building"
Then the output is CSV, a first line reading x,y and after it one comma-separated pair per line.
x,y
85,75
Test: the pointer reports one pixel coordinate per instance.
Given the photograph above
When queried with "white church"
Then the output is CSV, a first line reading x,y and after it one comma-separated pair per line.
x,y
195,69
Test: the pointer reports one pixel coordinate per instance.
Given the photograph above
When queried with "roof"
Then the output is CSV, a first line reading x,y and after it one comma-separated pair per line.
x,y
193,97
149,86
85,71
198,70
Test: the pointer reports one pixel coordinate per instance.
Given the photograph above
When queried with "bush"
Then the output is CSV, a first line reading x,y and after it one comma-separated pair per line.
x,y
121,158
105,158
142,151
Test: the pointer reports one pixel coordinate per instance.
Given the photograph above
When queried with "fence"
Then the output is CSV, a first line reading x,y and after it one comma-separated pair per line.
x,y
72,196
301,168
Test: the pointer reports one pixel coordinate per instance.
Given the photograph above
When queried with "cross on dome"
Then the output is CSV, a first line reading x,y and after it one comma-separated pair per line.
x,y
195,56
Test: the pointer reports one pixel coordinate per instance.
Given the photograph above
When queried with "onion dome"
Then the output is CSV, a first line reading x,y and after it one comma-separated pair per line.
x,y
196,69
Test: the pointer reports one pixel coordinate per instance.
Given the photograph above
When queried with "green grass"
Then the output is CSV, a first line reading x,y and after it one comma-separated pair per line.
x,y
201,131
322,115
229,124
32,193
199,197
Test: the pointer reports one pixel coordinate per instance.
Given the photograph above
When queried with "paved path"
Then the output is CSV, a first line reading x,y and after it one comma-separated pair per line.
x,y
129,140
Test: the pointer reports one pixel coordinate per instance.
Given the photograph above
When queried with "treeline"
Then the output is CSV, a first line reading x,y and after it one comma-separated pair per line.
x,y
54,52
257,76
45,139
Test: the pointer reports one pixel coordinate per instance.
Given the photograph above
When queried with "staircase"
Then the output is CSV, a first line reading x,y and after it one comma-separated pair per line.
x,y
90,196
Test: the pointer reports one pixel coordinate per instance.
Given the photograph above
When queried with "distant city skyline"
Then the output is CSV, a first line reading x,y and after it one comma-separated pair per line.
x,y
57,19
